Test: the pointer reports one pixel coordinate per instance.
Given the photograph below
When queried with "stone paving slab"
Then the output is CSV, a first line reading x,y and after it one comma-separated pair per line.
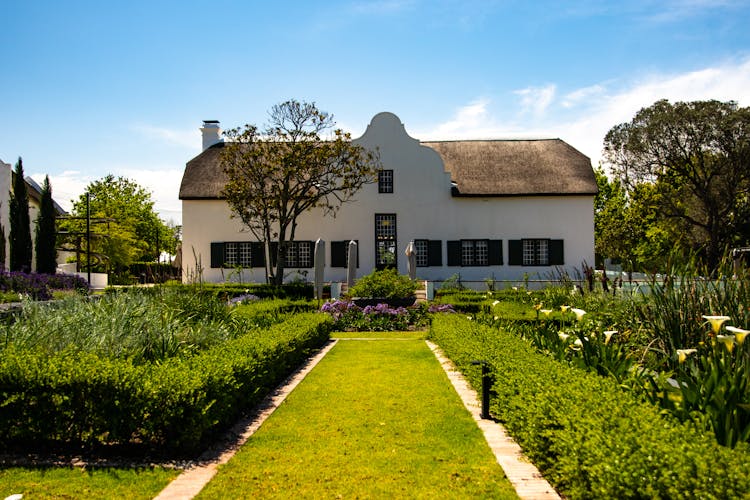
x,y
523,475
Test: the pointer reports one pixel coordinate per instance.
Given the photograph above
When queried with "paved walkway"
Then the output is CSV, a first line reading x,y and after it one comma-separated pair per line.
x,y
525,478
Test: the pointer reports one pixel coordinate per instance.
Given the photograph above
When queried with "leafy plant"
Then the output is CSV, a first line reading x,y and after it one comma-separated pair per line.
x,y
385,283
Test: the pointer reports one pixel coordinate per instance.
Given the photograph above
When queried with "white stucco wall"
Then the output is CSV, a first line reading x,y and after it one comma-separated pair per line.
x,y
5,181
424,209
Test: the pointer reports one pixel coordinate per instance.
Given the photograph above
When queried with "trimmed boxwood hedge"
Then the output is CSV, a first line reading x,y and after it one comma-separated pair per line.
x,y
76,398
589,438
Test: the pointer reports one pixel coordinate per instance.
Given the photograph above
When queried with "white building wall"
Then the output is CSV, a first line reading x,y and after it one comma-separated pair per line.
x,y
5,187
424,208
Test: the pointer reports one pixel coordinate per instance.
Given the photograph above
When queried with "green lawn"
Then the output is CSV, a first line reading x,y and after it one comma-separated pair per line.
x,y
372,420
420,334
74,483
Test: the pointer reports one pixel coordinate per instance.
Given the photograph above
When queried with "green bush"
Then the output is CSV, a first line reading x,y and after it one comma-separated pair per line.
x,y
588,437
73,398
384,284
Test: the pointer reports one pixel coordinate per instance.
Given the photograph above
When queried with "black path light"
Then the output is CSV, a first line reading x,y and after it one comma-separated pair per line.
x,y
486,383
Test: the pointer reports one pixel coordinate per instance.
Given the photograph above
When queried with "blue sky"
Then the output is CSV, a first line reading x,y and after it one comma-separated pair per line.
x,y
90,87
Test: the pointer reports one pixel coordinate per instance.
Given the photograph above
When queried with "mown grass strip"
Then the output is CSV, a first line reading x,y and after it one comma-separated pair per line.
x,y
373,419
77,482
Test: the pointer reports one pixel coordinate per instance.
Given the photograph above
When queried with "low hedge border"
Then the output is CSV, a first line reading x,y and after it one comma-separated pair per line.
x,y
588,437
75,399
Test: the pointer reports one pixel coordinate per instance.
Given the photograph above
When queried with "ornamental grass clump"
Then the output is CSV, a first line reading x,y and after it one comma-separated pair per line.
x,y
139,325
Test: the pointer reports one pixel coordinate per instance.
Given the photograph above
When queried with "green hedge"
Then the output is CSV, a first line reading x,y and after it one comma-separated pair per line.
x,y
78,398
587,436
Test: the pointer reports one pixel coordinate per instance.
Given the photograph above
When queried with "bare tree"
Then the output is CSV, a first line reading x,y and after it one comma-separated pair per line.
x,y
291,167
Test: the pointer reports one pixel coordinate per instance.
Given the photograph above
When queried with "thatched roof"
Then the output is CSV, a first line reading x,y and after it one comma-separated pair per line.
x,y
516,167
204,178
478,168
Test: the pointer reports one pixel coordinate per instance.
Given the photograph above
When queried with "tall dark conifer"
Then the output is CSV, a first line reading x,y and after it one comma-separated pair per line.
x,y
46,252
20,228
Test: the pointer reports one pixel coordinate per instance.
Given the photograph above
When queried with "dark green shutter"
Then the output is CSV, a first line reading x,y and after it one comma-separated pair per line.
x,y
495,252
515,252
454,253
257,254
556,253
435,253
338,253
217,254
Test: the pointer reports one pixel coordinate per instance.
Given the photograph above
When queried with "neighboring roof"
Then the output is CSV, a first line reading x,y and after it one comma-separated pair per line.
x,y
478,168
516,167
35,193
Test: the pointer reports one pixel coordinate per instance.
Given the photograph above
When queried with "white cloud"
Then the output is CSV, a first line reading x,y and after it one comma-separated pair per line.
x,y
189,138
579,96
162,182
536,99
598,107
472,116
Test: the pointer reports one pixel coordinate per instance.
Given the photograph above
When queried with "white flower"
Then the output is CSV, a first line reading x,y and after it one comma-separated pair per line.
x,y
564,308
546,312
495,303
716,322
739,333
727,340
682,354
579,313
608,335
563,336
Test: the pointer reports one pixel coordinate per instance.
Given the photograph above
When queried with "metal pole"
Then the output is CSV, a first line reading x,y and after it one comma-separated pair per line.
x,y
486,383
88,237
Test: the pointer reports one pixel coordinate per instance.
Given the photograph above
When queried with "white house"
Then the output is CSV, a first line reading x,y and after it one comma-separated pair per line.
x,y
480,209
35,202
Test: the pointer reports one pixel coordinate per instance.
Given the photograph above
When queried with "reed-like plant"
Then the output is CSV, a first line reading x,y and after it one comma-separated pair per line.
x,y
140,325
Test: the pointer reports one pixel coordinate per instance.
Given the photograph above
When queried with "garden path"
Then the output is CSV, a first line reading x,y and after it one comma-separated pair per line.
x,y
524,477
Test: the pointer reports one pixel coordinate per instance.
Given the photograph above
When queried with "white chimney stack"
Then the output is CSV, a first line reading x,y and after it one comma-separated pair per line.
x,y
211,133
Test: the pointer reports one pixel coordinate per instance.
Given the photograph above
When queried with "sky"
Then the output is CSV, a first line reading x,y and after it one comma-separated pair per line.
x,y
90,88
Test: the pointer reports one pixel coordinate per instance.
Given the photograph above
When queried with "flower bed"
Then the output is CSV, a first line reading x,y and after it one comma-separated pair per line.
x,y
381,317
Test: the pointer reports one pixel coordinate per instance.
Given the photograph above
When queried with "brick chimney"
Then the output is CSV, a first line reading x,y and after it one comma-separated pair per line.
x,y
211,133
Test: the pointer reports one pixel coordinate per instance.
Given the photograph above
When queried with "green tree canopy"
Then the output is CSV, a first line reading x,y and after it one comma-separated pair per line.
x,y
290,167
20,224
124,226
46,245
696,156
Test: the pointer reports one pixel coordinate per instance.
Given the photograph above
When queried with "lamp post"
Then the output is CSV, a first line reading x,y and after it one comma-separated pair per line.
x,y
88,238
486,383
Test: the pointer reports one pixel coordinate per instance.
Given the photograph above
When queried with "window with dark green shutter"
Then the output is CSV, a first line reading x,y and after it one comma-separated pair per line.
x,y
429,253
454,253
556,253
217,254
435,253
535,252
469,253
340,253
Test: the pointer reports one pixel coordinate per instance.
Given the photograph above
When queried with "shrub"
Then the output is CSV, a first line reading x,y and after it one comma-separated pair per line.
x,y
386,284
589,437
73,398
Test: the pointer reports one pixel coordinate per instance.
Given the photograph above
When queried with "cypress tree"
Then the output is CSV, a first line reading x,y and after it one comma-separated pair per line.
x,y
46,253
20,225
